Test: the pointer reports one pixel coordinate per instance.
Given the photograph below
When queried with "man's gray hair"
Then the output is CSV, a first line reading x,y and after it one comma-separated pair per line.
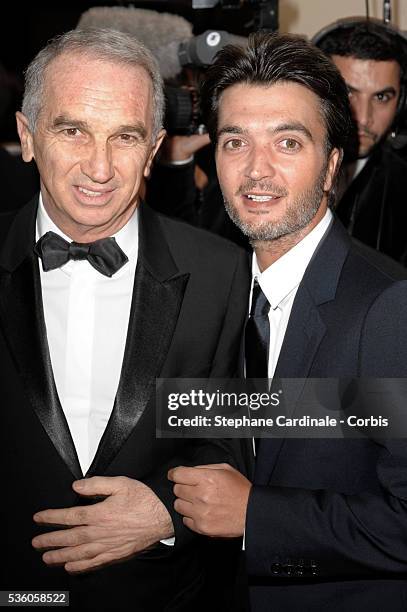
x,y
105,44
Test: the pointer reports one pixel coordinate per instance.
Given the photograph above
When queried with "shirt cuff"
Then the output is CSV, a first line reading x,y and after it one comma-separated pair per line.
x,y
168,541
176,162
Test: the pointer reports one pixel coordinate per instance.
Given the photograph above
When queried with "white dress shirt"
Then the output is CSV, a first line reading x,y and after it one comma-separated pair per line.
x,y
280,281
86,318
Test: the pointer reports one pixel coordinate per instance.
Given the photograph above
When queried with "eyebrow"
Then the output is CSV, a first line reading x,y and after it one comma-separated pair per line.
x,y
294,126
139,128
385,90
63,120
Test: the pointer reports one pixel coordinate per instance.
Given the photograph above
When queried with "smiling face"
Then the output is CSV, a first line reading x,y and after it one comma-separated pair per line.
x,y
92,143
271,159
374,90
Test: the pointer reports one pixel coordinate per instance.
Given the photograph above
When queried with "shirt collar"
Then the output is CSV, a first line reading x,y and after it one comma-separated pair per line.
x,y
126,237
284,275
360,164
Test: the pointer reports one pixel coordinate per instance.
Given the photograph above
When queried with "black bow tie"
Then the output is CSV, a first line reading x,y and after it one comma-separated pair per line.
x,y
104,255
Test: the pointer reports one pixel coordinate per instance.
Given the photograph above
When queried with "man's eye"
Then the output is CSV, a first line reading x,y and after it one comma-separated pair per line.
x,y
127,138
235,143
290,144
383,97
71,131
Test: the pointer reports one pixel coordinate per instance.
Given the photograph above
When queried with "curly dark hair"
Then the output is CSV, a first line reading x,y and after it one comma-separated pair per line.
x,y
365,40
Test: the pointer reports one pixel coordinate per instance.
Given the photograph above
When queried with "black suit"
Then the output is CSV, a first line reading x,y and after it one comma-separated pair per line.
x,y
172,190
337,507
373,208
188,308
19,181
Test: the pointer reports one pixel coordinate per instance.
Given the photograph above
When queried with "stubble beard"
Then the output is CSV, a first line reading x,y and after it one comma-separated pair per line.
x,y
365,151
298,215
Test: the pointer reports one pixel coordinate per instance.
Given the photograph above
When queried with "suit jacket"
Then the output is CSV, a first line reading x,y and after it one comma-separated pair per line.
x,y
20,180
171,190
373,207
188,308
327,518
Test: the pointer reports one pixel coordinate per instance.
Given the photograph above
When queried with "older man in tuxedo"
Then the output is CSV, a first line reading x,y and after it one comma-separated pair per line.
x,y
98,297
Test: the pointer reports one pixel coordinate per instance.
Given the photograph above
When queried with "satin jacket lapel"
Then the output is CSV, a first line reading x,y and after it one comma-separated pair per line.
x,y
157,298
22,316
304,334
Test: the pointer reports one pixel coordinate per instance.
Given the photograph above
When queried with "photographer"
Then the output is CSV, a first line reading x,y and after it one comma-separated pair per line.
x,y
183,181
184,184
371,57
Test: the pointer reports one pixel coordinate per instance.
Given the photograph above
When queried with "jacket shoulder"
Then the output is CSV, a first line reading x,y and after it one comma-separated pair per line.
x,y
396,163
6,221
375,265
188,240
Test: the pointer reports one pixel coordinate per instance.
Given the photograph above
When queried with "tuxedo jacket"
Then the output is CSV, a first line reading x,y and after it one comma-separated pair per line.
x,y
188,308
327,518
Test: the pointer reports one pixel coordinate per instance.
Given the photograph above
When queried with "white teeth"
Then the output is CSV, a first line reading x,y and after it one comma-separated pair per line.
x,y
90,193
260,198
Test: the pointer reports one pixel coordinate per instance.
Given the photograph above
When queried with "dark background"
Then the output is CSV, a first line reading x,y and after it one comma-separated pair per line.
x,y
25,30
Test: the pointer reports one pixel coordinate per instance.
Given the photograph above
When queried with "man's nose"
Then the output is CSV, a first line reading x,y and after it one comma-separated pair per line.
x,y
363,113
97,164
260,163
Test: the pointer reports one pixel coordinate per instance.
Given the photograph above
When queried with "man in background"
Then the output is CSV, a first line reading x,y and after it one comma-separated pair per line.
x,y
372,59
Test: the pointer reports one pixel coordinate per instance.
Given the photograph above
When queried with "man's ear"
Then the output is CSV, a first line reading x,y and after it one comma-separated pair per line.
x,y
154,149
334,163
26,138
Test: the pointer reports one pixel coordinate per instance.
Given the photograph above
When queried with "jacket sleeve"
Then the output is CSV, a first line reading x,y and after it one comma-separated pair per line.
x,y
225,365
301,533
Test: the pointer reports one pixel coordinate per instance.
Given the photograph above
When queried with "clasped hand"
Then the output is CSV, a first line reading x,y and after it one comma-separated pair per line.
x,y
129,520
212,499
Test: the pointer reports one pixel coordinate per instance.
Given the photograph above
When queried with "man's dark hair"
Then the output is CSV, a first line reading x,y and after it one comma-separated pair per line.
x,y
365,40
269,59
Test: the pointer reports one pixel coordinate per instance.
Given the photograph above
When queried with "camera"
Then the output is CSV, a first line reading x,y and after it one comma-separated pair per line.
x,y
182,111
182,102
183,114
265,11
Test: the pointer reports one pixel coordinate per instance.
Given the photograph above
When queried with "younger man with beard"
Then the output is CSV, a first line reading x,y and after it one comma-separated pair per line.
x,y
324,520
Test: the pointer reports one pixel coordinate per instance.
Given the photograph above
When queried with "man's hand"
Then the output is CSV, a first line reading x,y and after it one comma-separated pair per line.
x,y
212,499
128,521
